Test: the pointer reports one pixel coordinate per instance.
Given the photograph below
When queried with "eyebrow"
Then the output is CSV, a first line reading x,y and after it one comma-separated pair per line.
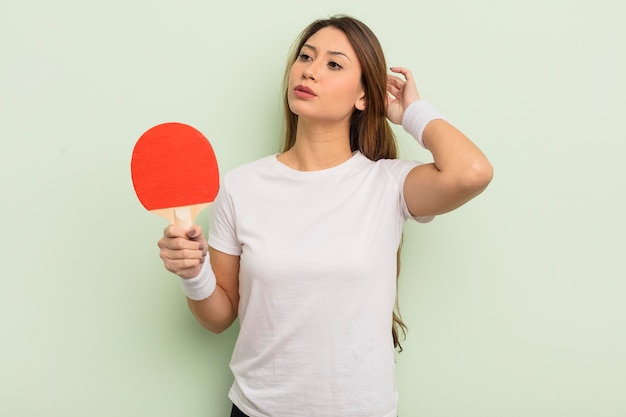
x,y
330,52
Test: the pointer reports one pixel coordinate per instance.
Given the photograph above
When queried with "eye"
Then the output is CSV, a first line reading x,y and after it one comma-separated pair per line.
x,y
334,66
304,57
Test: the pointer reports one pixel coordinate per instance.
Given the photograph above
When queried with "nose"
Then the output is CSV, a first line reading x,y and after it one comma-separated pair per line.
x,y
307,74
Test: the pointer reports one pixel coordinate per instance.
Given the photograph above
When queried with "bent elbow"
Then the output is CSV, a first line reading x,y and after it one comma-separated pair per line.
x,y
478,176
216,328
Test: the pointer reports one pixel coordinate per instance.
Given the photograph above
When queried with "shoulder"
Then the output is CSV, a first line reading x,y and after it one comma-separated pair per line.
x,y
248,170
252,166
397,169
397,164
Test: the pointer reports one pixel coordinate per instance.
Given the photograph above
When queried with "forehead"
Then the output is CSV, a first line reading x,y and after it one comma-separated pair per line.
x,y
331,39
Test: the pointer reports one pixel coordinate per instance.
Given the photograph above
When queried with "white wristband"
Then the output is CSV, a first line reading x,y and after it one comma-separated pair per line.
x,y
201,286
417,116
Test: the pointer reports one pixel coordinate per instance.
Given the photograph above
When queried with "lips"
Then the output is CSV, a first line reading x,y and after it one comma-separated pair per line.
x,y
302,91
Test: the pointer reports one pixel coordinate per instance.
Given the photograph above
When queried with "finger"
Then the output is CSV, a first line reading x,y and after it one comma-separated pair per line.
x,y
186,244
404,71
172,231
194,232
175,237
182,254
410,92
408,75
178,261
181,266
396,81
394,91
180,243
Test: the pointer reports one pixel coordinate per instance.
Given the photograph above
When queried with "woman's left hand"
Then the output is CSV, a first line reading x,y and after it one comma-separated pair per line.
x,y
401,93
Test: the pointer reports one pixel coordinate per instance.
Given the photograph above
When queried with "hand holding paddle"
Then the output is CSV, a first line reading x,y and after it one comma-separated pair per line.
x,y
174,172
183,251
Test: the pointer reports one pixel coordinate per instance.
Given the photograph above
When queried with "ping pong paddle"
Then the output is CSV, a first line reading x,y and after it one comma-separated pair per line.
x,y
174,172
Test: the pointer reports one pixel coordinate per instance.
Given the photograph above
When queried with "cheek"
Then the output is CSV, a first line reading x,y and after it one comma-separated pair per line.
x,y
294,74
348,90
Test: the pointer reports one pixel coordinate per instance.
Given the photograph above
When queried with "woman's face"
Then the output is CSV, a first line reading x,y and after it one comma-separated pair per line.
x,y
325,80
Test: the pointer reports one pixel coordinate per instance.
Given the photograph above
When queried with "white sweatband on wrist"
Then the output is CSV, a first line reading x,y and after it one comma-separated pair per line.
x,y
202,285
417,116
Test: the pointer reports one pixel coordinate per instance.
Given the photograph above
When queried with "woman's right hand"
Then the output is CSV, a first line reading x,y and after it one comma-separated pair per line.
x,y
183,251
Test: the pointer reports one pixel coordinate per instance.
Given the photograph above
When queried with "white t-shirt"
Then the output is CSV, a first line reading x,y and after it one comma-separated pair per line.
x,y
317,285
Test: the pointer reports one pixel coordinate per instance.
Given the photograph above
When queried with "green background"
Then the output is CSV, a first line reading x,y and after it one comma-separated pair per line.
x,y
515,302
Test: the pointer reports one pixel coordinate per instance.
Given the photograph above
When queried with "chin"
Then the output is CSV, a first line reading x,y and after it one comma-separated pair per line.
x,y
296,109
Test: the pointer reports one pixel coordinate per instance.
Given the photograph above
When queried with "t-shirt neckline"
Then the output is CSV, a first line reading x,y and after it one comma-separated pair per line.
x,y
356,158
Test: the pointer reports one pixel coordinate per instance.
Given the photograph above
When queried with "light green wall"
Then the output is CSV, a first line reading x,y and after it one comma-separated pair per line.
x,y
515,302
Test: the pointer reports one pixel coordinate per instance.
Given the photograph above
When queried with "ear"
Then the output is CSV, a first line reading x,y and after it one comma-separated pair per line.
x,y
360,103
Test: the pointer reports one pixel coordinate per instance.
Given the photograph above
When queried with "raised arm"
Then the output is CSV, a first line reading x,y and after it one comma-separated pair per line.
x,y
460,170
209,278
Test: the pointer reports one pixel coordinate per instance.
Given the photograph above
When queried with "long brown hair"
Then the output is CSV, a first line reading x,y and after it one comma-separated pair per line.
x,y
370,132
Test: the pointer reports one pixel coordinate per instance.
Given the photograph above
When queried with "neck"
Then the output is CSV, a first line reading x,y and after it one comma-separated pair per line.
x,y
318,146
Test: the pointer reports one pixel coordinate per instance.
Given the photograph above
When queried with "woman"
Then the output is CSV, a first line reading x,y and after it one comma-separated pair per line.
x,y
303,245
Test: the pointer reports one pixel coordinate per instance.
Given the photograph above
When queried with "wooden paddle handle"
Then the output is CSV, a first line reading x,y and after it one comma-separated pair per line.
x,y
181,216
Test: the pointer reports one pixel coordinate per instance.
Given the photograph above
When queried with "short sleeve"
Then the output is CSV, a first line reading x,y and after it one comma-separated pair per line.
x,y
399,169
222,226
